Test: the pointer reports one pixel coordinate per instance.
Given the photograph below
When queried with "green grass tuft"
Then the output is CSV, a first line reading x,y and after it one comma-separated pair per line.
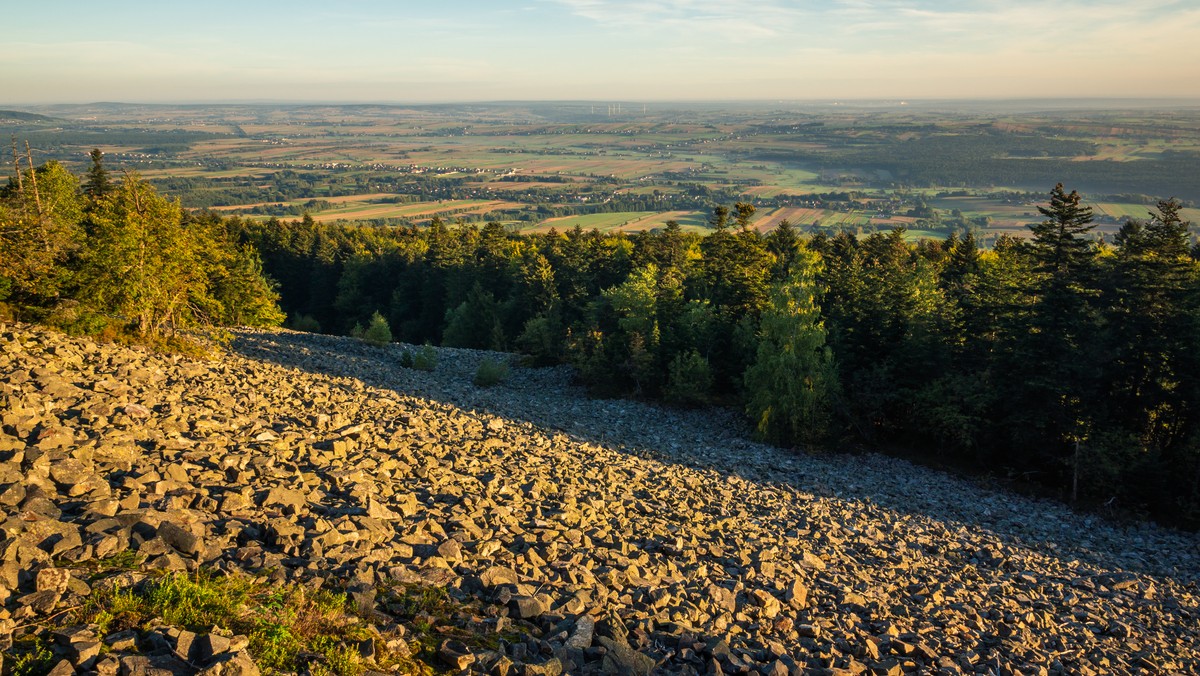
x,y
198,602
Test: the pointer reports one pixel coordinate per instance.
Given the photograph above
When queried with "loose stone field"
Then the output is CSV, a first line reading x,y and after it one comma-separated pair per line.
x,y
619,537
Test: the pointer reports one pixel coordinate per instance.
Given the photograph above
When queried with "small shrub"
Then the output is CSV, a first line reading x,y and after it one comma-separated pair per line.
x,y
126,559
406,359
341,659
378,332
306,323
425,359
491,372
118,609
542,340
357,331
273,644
29,656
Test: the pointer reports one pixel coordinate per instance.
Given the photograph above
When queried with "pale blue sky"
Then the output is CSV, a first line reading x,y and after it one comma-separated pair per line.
x,y
471,50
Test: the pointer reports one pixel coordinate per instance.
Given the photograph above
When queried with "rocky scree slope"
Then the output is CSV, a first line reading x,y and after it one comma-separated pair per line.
x,y
620,537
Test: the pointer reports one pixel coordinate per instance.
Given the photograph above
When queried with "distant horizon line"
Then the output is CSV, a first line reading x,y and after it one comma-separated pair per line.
x,y
892,100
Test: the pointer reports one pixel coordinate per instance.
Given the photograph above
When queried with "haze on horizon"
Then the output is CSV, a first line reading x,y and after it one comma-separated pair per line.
x,y
474,50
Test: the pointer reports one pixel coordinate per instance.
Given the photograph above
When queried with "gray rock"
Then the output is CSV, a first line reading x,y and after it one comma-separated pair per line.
x,y
135,665
622,659
291,501
122,641
180,538
797,594
231,664
107,665
498,575
40,602
209,646
450,550
82,653
185,645
527,607
455,654
551,667
581,637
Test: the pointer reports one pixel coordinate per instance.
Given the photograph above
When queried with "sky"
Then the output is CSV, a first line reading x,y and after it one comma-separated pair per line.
x,y
64,51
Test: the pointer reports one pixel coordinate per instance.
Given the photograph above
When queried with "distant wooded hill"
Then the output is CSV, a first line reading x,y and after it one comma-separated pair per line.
x,y
18,116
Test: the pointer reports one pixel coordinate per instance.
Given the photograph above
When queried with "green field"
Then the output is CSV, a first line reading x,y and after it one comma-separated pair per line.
x,y
629,221
915,235
1140,211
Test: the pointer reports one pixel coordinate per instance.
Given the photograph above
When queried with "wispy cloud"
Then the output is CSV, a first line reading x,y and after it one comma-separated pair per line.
x,y
882,24
734,20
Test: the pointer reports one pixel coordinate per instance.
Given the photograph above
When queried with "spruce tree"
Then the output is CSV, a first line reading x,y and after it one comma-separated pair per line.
x,y
791,384
1057,378
39,232
1153,340
98,183
377,333
783,243
142,263
719,219
1060,244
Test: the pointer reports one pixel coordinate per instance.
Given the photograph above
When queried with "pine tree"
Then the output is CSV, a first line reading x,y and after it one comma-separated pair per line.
x,y
734,269
245,296
720,218
635,304
744,211
473,323
672,258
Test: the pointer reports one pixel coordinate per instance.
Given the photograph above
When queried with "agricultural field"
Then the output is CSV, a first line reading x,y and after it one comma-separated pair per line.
x,y
999,213
537,166
626,221
851,217
1140,211
382,206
